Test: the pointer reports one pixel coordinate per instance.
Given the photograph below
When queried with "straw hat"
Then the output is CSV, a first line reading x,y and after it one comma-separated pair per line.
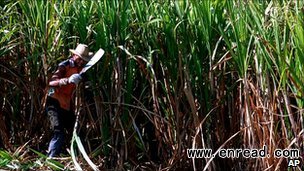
x,y
83,52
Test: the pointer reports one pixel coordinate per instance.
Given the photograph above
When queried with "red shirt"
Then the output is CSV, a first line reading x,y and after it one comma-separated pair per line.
x,y
64,93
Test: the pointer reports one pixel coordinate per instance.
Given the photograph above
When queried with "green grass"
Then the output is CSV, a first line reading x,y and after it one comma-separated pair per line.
x,y
197,73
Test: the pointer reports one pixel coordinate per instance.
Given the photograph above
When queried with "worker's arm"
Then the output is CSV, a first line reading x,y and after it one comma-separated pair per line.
x,y
58,77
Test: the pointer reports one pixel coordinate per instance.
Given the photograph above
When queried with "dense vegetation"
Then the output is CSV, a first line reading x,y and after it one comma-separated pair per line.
x,y
176,75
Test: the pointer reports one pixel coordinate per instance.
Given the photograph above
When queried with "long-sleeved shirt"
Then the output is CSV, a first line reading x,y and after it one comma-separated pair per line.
x,y
63,93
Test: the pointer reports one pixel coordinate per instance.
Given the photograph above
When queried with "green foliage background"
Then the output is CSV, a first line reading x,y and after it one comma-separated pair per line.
x,y
201,74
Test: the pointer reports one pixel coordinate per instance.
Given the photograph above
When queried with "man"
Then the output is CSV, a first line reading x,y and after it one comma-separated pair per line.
x,y
62,86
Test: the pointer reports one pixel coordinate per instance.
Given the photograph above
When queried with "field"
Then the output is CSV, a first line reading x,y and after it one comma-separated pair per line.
x,y
176,75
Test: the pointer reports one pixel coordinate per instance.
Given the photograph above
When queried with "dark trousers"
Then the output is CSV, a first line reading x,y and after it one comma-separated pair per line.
x,y
60,120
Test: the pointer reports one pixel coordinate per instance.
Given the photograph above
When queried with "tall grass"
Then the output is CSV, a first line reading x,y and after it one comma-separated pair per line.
x,y
176,75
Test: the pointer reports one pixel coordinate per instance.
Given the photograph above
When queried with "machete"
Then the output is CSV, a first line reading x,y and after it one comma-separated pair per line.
x,y
93,60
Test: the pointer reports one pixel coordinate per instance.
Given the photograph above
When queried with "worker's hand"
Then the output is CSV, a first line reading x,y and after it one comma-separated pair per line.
x,y
75,78
63,81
